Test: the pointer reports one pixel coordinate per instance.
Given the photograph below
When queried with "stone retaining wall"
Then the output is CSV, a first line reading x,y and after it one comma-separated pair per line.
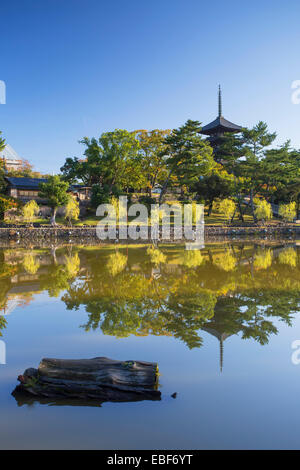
x,y
89,233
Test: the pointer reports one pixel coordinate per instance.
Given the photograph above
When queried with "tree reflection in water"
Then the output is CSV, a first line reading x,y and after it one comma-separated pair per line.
x,y
223,289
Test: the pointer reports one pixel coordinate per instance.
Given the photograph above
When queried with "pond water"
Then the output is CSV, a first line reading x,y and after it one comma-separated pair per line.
x,y
220,323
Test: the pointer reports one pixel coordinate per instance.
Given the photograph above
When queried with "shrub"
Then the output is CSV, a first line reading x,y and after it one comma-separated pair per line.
x,y
6,203
192,258
288,257
226,261
263,210
263,259
227,209
288,211
30,211
72,209
116,263
156,255
30,263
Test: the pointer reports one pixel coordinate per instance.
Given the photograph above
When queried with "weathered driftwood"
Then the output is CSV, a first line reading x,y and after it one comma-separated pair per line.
x,y
99,378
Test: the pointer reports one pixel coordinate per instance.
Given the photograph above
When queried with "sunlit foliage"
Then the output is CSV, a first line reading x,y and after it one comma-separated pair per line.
x,y
289,257
30,211
72,209
116,263
31,263
6,203
3,323
192,258
263,210
288,211
156,255
227,208
226,261
224,290
72,265
263,259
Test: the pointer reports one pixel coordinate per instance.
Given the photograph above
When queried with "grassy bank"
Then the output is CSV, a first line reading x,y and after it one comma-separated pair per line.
x,y
215,219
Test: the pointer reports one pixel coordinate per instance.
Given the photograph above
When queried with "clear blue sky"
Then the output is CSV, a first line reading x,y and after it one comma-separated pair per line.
x,y
77,68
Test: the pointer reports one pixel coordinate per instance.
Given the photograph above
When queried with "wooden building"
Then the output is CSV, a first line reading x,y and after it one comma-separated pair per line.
x,y
24,189
27,189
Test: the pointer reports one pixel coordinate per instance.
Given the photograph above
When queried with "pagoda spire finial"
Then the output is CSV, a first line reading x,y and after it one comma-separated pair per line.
x,y
220,102
221,354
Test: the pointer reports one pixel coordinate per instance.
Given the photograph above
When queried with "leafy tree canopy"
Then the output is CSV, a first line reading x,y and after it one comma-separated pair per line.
x,y
114,161
153,149
55,191
188,155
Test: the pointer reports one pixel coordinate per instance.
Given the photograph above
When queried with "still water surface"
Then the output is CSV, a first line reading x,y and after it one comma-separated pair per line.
x,y
219,322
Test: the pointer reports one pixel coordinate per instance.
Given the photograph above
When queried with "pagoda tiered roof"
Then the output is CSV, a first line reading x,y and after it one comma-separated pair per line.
x,y
220,125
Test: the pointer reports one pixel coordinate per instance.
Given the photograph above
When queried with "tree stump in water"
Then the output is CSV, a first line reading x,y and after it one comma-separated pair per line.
x,y
99,378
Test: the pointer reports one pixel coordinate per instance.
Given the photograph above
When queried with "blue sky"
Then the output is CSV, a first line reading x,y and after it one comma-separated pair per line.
x,y
77,68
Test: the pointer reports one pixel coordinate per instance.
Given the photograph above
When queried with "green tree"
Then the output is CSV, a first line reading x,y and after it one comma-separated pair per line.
x,y
55,191
281,173
3,184
188,155
229,151
229,154
113,163
2,167
243,155
254,144
76,169
152,147
217,185
2,143
100,195
3,323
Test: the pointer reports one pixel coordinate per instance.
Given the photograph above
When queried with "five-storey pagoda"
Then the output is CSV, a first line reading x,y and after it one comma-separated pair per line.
x,y
216,129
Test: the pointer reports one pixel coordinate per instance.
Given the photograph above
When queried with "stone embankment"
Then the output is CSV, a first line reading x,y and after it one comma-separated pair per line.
x,y
88,234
